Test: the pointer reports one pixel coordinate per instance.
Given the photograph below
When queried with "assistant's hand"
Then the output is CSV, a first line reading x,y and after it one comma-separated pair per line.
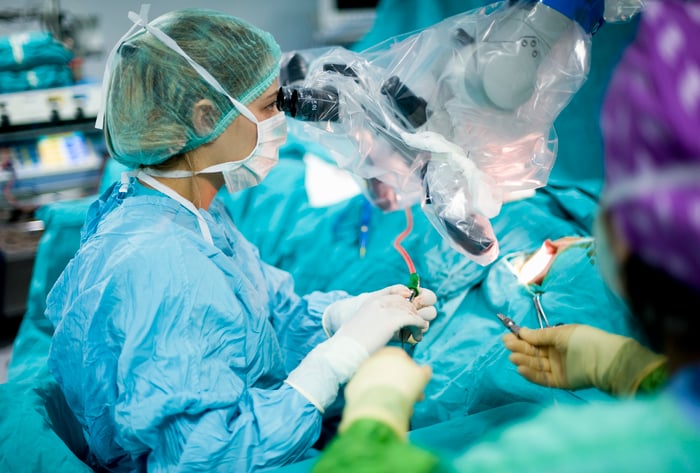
x,y
580,356
340,312
385,388
540,355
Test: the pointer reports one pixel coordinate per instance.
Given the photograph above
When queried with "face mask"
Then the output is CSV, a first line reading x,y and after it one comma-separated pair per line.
x,y
250,171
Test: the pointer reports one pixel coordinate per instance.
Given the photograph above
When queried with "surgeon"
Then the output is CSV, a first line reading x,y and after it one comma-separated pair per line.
x,y
177,348
647,235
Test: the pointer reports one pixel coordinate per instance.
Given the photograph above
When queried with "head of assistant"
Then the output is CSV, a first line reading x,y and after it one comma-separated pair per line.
x,y
649,224
192,94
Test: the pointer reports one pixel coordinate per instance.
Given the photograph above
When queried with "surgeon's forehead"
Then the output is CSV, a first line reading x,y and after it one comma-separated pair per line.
x,y
270,92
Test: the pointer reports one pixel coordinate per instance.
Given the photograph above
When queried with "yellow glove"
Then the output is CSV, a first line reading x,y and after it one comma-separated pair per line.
x,y
385,388
580,356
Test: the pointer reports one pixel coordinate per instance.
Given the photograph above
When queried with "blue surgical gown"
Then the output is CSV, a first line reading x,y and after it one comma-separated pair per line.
x,y
172,352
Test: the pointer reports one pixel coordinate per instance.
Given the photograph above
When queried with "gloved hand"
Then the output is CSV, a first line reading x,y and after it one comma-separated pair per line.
x,y
580,356
381,316
340,312
385,388
334,361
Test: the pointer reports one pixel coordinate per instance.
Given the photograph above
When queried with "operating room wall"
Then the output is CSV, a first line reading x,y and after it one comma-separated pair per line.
x,y
293,23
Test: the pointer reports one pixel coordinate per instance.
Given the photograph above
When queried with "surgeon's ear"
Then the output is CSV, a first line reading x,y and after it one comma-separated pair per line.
x,y
204,117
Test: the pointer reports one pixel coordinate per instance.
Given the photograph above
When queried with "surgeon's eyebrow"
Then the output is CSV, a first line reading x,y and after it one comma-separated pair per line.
x,y
270,96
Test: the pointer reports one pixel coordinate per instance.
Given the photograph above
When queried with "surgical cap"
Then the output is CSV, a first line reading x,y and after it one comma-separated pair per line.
x,y
153,90
651,129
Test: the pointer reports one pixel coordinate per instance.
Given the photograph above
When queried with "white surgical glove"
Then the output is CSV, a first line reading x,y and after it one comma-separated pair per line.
x,y
340,312
331,363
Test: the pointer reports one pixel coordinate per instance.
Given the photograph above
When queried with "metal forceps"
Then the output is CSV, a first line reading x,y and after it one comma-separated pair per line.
x,y
541,316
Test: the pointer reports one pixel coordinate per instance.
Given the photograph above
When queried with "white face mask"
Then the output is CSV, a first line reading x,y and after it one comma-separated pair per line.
x,y
250,171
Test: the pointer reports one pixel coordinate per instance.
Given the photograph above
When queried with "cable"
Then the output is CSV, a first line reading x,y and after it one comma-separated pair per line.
x,y
414,280
397,242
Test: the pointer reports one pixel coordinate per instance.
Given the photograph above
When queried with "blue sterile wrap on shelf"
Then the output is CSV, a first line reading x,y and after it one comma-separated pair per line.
x,y
39,77
33,60
23,51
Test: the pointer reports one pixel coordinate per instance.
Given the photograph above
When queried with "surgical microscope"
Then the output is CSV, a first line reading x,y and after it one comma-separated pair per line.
x,y
458,116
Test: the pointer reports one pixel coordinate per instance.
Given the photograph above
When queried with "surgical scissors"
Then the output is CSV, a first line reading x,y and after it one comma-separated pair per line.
x,y
509,324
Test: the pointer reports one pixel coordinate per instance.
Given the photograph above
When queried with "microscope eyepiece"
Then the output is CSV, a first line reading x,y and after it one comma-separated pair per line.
x,y
307,104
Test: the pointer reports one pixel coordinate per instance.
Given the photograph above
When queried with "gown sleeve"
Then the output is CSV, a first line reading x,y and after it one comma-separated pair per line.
x,y
296,320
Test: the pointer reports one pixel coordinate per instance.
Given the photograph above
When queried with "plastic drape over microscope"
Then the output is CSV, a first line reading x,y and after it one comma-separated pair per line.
x,y
458,116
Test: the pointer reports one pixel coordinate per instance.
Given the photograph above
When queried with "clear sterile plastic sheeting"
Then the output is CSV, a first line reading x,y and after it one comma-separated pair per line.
x,y
456,116
617,11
